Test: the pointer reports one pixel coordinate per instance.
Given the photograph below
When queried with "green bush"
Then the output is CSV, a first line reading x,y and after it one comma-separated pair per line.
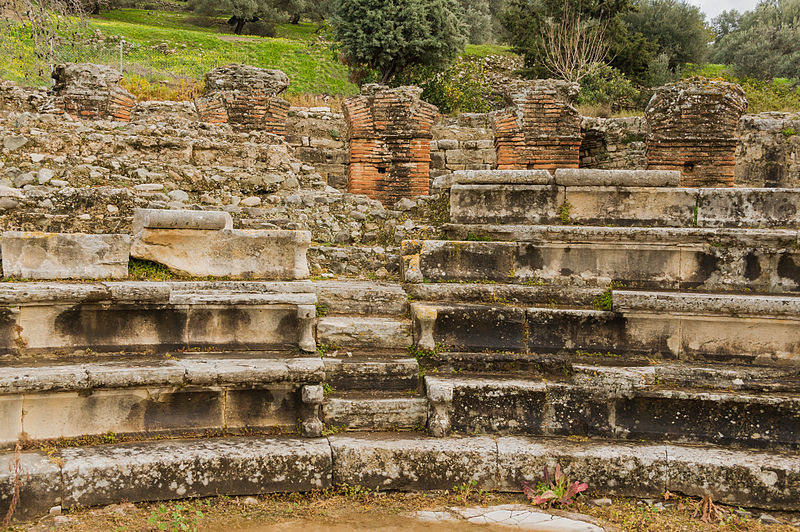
x,y
779,94
462,88
608,86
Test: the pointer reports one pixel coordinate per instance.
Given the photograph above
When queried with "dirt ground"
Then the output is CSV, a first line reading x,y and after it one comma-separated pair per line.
x,y
357,508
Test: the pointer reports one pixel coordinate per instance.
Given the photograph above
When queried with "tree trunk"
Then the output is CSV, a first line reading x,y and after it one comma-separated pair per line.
x,y
295,18
239,26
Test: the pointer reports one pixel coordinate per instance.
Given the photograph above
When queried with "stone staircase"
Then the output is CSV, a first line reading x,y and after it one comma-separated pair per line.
x,y
642,358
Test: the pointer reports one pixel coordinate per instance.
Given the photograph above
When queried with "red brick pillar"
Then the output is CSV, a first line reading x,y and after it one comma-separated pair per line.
x,y
692,127
246,98
389,133
86,90
541,130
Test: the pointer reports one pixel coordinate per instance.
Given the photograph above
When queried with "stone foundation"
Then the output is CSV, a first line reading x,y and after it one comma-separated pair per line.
x,y
245,97
86,90
693,128
389,132
542,130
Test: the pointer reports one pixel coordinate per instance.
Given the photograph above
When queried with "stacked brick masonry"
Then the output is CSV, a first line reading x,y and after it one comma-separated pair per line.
x,y
542,130
693,128
389,132
87,91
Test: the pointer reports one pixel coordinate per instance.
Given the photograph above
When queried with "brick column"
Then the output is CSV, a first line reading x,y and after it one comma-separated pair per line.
x,y
541,129
389,133
86,90
692,127
246,98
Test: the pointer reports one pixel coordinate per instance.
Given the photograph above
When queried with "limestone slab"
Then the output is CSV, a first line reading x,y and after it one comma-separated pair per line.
x,y
630,206
503,203
354,332
502,177
65,256
592,177
381,414
391,462
41,484
359,297
180,469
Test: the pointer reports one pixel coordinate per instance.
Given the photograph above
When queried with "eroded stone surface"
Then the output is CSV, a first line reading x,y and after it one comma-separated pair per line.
x,y
509,515
65,256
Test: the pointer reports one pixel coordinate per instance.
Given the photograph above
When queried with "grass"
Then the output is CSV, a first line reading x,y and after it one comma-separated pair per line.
x,y
198,47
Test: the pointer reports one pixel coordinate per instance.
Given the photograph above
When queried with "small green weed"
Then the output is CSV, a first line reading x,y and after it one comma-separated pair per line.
x,y
553,489
322,310
472,237
789,132
605,300
146,270
330,430
176,517
327,389
563,212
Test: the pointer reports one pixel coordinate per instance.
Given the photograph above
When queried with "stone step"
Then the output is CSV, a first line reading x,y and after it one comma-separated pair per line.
x,y
361,297
363,332
582,201
647,258
163,470
637,405
720,327
151,395
614,371
506,294
157,316
371,373
375,411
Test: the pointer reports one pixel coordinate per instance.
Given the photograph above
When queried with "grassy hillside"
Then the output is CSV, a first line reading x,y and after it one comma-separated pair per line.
x,y
175,48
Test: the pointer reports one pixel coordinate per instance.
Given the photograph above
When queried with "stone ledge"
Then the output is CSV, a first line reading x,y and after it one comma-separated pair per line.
x,y
92,476
584,177
181,372
628,301
502,177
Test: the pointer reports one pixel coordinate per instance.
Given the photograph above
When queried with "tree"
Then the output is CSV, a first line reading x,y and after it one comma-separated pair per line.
x,y
527,22
574,47
676,28
476,16
764,44
726,22
391,35
241,11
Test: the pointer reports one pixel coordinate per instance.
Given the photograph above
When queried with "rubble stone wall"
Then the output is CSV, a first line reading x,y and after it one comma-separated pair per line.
x,y
89,91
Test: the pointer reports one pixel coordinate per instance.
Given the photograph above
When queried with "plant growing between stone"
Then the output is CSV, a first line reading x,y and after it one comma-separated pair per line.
x,y
553,489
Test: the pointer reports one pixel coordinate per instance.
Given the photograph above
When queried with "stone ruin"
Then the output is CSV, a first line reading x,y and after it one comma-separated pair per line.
x,y
640,333
692,127
87,90
541,129
389,131
245,97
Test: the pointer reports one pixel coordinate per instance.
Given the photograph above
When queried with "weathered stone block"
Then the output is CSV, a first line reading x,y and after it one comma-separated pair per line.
x,y
352,332
585,177
504,204
378,414
413,463
100,475
65,256
41,484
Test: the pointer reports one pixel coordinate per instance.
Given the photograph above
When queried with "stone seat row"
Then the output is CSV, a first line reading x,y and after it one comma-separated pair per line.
x,y
192,243
613,197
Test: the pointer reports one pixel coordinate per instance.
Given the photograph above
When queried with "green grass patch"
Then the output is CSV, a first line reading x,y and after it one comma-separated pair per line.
x,y
483,50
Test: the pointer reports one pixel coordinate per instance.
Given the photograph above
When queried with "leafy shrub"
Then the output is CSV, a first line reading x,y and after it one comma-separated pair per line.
x,y
462,88
778,94
609,87
262,28
553,489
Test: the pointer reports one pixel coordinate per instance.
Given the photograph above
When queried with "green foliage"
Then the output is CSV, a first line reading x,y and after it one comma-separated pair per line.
x,y
327,389
789,132
146,270
608,86
771,95
177,517
527,20
563,212
472,237
477,18
322,310
553,489
390,36
676,28
462,88
605,301
762,43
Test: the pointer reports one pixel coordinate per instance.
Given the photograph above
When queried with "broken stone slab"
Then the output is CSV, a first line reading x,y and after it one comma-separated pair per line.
x,y
502,177
586,177
99,475
65,256
201,243
513,516
393,462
